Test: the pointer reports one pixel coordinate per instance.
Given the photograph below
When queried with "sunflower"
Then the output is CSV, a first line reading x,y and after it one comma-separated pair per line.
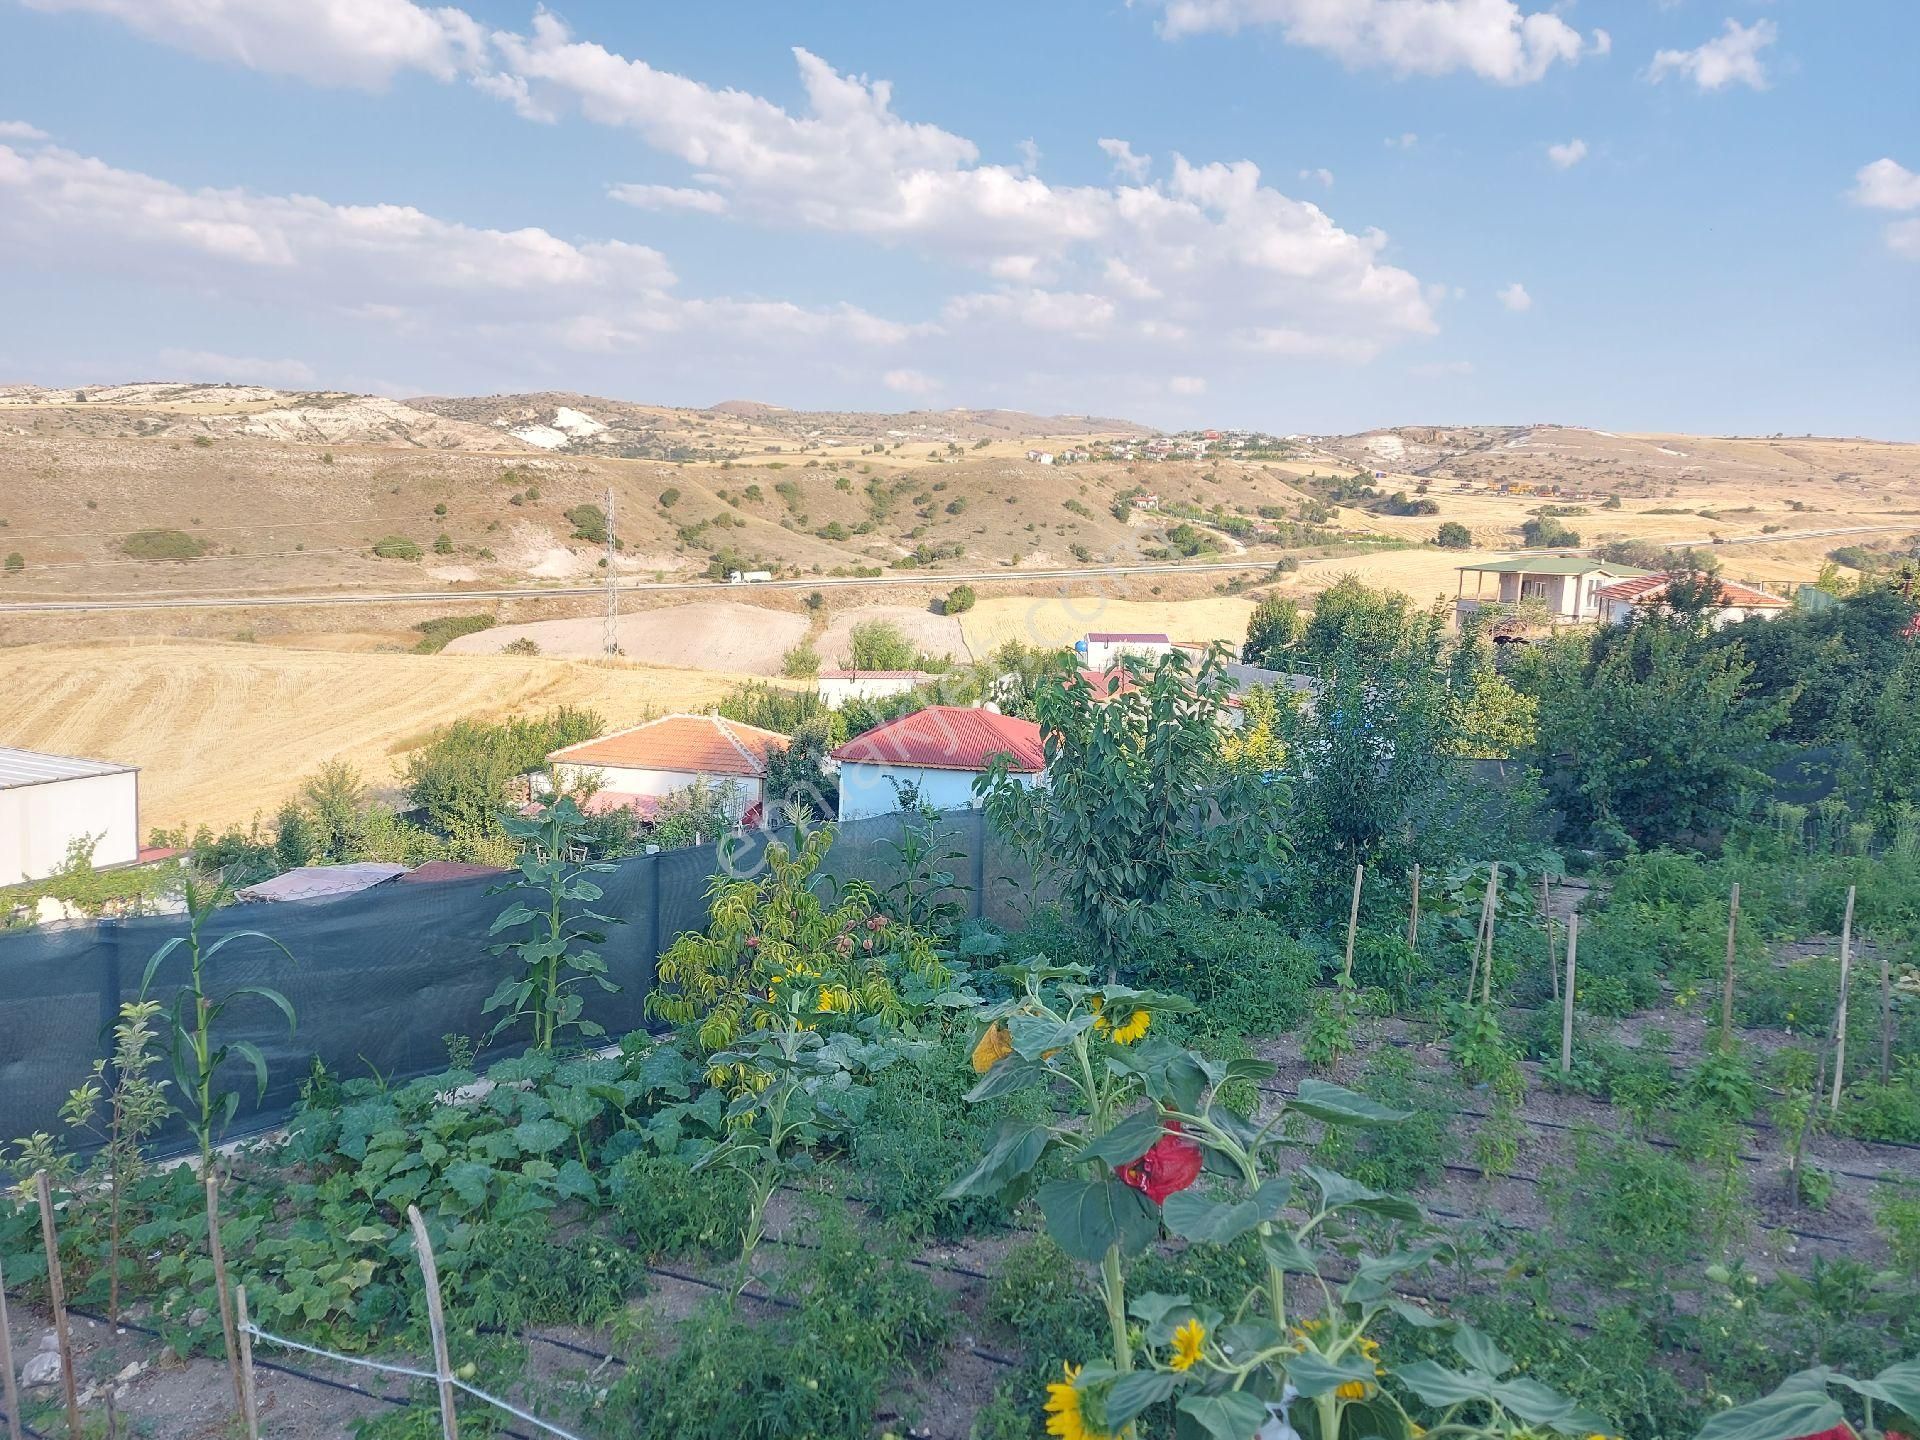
x,y
993,1047
1188,1341
1353,1390
1132,1028
1065,1417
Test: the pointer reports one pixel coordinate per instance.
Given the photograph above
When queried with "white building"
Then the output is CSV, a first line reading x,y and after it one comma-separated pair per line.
x,y
1040,457
1562,588
50,803
1621,600
939,752
638,768
837,687
1103,649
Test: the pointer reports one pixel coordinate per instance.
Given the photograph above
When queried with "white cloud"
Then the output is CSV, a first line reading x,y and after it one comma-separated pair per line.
x,y
1403,141
1126,164
1730,58
1493,39
1323,176
909,382
211,365
669,197
1568,155
1029,154
1516,298
1903,238
20,130
395,269
330,42
1887,185
1188,385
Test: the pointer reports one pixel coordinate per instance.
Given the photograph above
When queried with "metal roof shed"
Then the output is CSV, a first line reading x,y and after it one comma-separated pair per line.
x,y
51,803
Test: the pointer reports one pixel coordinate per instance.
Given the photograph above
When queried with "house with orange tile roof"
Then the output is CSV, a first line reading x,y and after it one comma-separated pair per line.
x,y
1623,599
939,752
637,768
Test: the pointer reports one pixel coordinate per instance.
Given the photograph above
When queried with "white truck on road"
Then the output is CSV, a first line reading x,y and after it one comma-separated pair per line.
x,y
749,577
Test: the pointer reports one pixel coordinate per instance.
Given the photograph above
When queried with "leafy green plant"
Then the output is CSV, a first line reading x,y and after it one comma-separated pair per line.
x,y
195,1011
553,950
1897,1211
671,1210
1803,1404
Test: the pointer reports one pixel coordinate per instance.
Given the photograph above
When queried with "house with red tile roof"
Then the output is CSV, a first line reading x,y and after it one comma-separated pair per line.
x,y
639,767
939,752
1623,599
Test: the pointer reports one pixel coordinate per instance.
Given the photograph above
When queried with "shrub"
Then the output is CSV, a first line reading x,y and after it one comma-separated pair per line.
x,y
443,544
525,645
879,645
1547,533
959,600
163,545
589,523
396,547
518,1272
16,561
1454,536
435,633
1248,975
801,661
669,498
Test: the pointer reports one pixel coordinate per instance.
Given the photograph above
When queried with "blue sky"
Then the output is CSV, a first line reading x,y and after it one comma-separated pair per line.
x,y
1297,214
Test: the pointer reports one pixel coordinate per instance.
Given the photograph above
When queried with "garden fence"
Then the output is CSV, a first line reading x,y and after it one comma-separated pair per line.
x,y
379,979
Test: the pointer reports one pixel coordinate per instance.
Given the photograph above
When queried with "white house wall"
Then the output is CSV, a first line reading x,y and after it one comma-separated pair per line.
x,y
836,692
622,780
868,789
39,822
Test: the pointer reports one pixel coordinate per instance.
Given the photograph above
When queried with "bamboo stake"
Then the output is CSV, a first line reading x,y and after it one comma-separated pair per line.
x,y
8,1393
223,1291
1840,1015
57,1299
1353,917
436,1322
1480,935
1726,992
1493,903
1546,911
249,1407
1566,992
1413,921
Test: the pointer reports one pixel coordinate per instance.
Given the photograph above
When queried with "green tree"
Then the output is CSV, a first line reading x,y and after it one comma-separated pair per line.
x,y
959,600
1544,532
1274,629
16,561
1652,737
1351,616
801,662
797,785
1138,809
336,799
460,777
1453,536
879,645
293,837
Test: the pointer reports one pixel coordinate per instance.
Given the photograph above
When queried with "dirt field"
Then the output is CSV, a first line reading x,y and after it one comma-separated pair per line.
x,y
226,731
1061,620
711,635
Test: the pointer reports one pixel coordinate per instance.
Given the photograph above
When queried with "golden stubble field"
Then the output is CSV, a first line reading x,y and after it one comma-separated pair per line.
x,y
224,732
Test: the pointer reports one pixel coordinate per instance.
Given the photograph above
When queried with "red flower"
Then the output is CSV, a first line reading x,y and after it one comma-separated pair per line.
x,y
1171,1163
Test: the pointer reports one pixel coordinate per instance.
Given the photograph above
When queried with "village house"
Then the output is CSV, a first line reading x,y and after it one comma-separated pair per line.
x,y
1566,588
1623,599
638,768
52,806
935,755
837,687
1103,649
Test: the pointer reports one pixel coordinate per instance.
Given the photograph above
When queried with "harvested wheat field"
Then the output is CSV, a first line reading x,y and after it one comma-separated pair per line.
x,y
224,732
719,635
931,634
1063,619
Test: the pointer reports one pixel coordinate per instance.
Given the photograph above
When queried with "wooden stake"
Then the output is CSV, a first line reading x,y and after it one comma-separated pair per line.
x,y
1353,917
436,1322
1480,935
1840,1015
8,1394
57,1299
1726,992
223,1291
249,1403
1566,993
1886,1019
1413,921
1546,911
1493,904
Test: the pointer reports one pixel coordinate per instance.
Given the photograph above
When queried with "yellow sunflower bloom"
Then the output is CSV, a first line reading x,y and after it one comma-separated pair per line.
x,y
1065,1417
1352,1390
993,1047
1132,1028
1188,1341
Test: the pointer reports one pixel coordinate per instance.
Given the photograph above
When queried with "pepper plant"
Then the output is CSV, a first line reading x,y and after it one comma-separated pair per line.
x,y
554,948
1141,1122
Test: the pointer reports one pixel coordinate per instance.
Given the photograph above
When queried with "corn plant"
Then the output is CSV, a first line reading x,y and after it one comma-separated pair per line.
x,y
196,1011
556,960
